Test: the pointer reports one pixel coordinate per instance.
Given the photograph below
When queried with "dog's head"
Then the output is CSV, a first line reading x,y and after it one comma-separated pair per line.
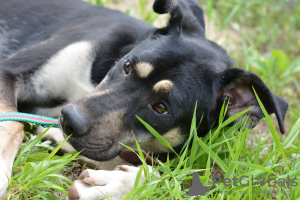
x,y
160,80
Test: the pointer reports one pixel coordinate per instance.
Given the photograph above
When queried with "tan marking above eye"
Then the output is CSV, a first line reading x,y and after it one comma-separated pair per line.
x,y
143,69
163,86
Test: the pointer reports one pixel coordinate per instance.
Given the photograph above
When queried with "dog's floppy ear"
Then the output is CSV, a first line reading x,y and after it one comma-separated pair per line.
x,y
186,15
237,86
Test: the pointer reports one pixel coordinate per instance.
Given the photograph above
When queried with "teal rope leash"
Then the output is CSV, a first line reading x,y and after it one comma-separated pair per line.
x,y
24,117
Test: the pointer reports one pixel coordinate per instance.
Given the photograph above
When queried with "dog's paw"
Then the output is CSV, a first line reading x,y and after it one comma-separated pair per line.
x,y
102,184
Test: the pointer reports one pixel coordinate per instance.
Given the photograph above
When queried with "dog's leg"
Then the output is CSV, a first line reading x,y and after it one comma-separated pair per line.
x,y
11,133
100,184
11,136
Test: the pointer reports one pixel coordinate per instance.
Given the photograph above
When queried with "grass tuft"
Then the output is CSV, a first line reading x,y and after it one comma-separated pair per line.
x,y
38,174
226,150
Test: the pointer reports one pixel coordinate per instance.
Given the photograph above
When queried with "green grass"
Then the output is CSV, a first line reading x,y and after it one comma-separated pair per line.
x,y
269,46
267,42
38,172
228,150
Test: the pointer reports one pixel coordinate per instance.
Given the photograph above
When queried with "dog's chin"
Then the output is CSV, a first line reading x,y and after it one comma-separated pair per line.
x,y
99,154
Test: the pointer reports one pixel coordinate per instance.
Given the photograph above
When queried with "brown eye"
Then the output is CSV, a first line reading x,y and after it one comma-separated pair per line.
x,y
127,66
160,108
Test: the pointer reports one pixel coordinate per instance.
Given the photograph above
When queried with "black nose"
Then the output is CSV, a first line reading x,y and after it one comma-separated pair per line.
x,y
73,121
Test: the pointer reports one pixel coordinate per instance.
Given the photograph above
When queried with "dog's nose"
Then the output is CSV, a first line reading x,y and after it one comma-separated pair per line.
x,y
73,122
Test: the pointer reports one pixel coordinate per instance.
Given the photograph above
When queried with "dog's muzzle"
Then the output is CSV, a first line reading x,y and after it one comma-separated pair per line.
x,y
73,122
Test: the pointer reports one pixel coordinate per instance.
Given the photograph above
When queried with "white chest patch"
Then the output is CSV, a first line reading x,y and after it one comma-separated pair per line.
x,y
67,74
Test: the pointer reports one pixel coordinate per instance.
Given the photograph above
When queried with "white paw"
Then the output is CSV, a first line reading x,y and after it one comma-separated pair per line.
x,y
102,184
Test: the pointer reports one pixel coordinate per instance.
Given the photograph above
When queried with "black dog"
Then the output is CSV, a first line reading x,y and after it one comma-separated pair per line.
x,y
113,67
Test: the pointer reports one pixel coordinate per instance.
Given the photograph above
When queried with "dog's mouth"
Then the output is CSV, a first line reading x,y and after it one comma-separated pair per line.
x,y
100,149
93,146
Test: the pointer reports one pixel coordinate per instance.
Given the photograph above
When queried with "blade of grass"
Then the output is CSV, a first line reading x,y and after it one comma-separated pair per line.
x,y
272,129
223,111
257,153
241,144
292,135
192,130
254,166
231,15
57,148
214,156
157,135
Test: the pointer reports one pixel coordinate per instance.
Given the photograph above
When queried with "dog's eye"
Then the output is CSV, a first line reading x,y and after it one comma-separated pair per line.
x,y
127,66
160,108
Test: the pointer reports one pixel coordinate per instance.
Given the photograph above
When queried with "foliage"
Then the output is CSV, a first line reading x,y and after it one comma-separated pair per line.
x,y
229,150
37,173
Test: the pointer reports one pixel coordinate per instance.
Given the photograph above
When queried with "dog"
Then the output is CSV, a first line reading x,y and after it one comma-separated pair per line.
x,y
96,69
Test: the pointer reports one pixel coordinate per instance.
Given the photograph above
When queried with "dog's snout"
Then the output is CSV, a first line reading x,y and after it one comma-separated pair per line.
x,y
73,121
